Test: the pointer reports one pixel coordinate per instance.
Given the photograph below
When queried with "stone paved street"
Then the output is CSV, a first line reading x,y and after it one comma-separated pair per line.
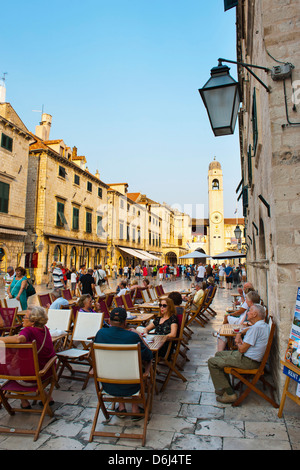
x,y
185,417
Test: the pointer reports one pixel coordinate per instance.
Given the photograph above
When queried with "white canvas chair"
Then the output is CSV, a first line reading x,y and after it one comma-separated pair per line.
x,y
85,328
59,322
99,293
153,294
121,365
146,296
13,303
59,319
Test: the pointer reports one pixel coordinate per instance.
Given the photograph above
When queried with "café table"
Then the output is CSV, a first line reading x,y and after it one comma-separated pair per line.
x,y
154,343
140,318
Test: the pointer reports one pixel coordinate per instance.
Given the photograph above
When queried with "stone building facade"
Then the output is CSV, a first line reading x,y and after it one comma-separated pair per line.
x,y
66,207
14,144
268,34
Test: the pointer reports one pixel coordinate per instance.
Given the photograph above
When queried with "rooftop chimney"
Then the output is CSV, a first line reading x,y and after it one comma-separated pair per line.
x,y
2,91
43,130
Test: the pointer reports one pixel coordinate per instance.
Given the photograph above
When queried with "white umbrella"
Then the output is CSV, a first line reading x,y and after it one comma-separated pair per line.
x,y
194,254
229,255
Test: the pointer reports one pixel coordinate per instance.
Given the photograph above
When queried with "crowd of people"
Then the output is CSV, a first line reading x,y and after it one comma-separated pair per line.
x,y
226,276
249,314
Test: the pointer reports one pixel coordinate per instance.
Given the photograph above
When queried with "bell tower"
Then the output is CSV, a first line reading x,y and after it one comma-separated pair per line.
x,y
215,208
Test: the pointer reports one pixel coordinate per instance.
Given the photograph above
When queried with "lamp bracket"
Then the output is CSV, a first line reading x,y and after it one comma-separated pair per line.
x,y
243,64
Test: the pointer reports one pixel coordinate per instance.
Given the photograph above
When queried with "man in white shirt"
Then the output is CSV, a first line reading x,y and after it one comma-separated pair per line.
x,y
201,271
100,275
249,354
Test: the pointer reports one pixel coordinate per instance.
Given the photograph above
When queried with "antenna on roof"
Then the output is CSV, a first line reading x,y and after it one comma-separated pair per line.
x,y
39,111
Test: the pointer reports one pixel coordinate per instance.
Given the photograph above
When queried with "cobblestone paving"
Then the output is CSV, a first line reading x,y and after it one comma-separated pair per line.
x,y
186,416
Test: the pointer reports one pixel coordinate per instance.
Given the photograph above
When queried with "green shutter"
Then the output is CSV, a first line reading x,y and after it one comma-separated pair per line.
x,y
249,157
75,224
228,4
4,197
254,122
88,222
60,216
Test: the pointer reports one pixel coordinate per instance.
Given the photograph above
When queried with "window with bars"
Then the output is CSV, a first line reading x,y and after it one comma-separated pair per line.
x,y
4,197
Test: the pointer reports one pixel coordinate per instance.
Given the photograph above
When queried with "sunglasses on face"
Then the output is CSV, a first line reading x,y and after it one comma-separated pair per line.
x,y
163,305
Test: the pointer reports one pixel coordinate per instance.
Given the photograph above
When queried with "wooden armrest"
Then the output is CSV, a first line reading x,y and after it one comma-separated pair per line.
x,y
47,366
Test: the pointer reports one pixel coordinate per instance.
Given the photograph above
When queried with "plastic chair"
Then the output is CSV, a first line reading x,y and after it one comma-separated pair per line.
x,y
21,363
85,328
121,365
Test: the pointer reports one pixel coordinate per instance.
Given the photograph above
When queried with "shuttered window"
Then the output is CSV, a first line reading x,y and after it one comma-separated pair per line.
x,y
4,197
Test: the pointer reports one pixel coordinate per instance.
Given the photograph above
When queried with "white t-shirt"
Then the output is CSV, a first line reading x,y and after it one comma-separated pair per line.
x,y
201,271
73,278
221,271
257,336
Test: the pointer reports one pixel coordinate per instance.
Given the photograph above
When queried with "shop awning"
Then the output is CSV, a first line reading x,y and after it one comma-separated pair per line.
x,y
135,253
149,255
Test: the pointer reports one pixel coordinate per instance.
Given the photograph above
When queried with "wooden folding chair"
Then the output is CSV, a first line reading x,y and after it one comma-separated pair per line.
x,y
208,301
66,293
197,314
121,365
10,320
103,307
171,356
153,294
146,296
85,328
44,300
13,303
257,374
21,363
109,300
60,320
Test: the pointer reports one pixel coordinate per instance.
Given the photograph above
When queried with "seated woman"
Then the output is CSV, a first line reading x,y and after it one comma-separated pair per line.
x,y
165,324
85,304
177,299
34,328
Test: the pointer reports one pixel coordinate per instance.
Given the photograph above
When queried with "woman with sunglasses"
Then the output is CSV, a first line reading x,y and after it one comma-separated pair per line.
x,y
164,324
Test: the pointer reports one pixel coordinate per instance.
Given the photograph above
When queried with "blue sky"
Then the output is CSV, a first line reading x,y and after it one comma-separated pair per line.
x,y
120,79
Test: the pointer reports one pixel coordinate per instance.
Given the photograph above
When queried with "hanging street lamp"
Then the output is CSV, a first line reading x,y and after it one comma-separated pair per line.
x,y
221,96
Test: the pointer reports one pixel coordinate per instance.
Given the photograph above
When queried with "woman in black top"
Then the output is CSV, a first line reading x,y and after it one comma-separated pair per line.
x,y
165,324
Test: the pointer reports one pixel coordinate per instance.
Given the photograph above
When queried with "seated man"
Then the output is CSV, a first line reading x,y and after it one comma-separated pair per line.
x,y
118,334
249,354
243,306
124,289
59,300
251,298
198,295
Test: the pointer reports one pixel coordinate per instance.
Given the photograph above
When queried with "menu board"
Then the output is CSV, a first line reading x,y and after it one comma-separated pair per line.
x,y
292,354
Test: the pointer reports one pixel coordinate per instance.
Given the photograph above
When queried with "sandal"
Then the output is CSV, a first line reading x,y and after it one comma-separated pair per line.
x,y
123,411
138,418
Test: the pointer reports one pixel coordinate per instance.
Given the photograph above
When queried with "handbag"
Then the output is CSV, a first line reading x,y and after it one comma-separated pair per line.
x,y
30,290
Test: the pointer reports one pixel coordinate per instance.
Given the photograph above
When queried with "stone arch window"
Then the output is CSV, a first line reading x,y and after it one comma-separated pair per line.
x,y
262,241
57,253
73,257
215,185
98,256
87,258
